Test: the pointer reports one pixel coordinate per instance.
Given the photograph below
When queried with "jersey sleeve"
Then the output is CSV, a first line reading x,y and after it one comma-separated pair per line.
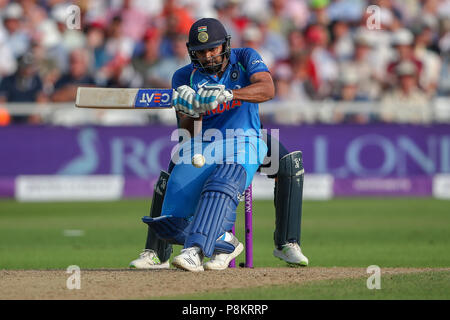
x,y
182,77
252,61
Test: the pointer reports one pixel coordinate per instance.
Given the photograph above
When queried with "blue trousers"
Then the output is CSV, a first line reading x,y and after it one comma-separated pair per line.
x,y
186,181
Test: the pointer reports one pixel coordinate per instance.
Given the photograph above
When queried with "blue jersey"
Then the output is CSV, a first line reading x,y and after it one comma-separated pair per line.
x,y
236,114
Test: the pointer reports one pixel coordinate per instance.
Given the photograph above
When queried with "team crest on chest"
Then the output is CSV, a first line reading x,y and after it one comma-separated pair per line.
x,y
203,37
234,75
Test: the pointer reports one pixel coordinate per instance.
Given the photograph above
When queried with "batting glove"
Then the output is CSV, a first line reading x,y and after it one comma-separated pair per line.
x,y
182,100
209,97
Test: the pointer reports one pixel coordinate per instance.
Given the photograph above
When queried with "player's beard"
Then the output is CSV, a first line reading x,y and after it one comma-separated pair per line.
x,y
213,68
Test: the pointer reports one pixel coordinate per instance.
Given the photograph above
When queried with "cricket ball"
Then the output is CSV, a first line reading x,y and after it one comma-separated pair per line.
x,y
198,160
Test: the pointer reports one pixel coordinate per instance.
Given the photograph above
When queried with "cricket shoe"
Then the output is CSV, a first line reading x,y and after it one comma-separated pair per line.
x,y
190,259
292,254
220,261
148,259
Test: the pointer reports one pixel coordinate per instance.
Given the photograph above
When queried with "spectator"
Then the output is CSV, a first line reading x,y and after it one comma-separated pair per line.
x,y
8,63
117,45
48,35
317,40
327,69
402,41
228,12
362,60
118,49
70,38
273,41
160,75
380,38
347,91
319,12
346,10
134,21
342,42
178,18
200,9
17,39
78,74
290,90
175,20
444,48
406,102
147,59
252,37
296,42
430,60
279,18
23,86
46,66
96,44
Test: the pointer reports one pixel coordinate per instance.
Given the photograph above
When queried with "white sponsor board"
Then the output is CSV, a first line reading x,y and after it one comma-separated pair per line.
x,y
318,187
441,186
262,187
68,188
315,187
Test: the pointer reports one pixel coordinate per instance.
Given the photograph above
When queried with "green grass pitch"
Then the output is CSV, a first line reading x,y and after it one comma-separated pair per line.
x,y
357,232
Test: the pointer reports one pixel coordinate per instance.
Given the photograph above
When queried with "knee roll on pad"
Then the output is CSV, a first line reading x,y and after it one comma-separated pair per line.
x,y
288,199
171,229
216,211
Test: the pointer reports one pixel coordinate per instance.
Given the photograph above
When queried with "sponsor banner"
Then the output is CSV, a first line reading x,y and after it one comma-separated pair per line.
x,y
68,188
318,187
138,188
344,151
362,160
414,186
7,187
262,187
139,152
42,188
441,186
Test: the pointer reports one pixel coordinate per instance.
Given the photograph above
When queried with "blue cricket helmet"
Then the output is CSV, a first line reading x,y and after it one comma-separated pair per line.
x,y
204,34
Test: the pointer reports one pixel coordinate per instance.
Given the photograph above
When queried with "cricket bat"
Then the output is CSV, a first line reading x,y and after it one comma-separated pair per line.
x,y
123,98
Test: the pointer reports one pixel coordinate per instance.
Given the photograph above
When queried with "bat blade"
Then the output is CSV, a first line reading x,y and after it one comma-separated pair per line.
x,y
123,98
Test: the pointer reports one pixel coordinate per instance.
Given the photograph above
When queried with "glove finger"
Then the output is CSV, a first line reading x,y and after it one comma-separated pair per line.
x,y
199,92
180,89
221,99
189,101
203,97
212,98
209,94
213,105
196,103
175,96
186,96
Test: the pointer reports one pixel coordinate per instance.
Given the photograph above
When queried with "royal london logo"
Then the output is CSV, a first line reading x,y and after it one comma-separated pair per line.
x,y
221,108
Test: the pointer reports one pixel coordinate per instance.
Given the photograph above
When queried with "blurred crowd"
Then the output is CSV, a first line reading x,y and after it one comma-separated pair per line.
x,y
393,52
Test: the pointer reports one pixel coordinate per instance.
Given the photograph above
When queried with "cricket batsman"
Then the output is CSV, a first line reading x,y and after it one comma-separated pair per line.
x,y
196,207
